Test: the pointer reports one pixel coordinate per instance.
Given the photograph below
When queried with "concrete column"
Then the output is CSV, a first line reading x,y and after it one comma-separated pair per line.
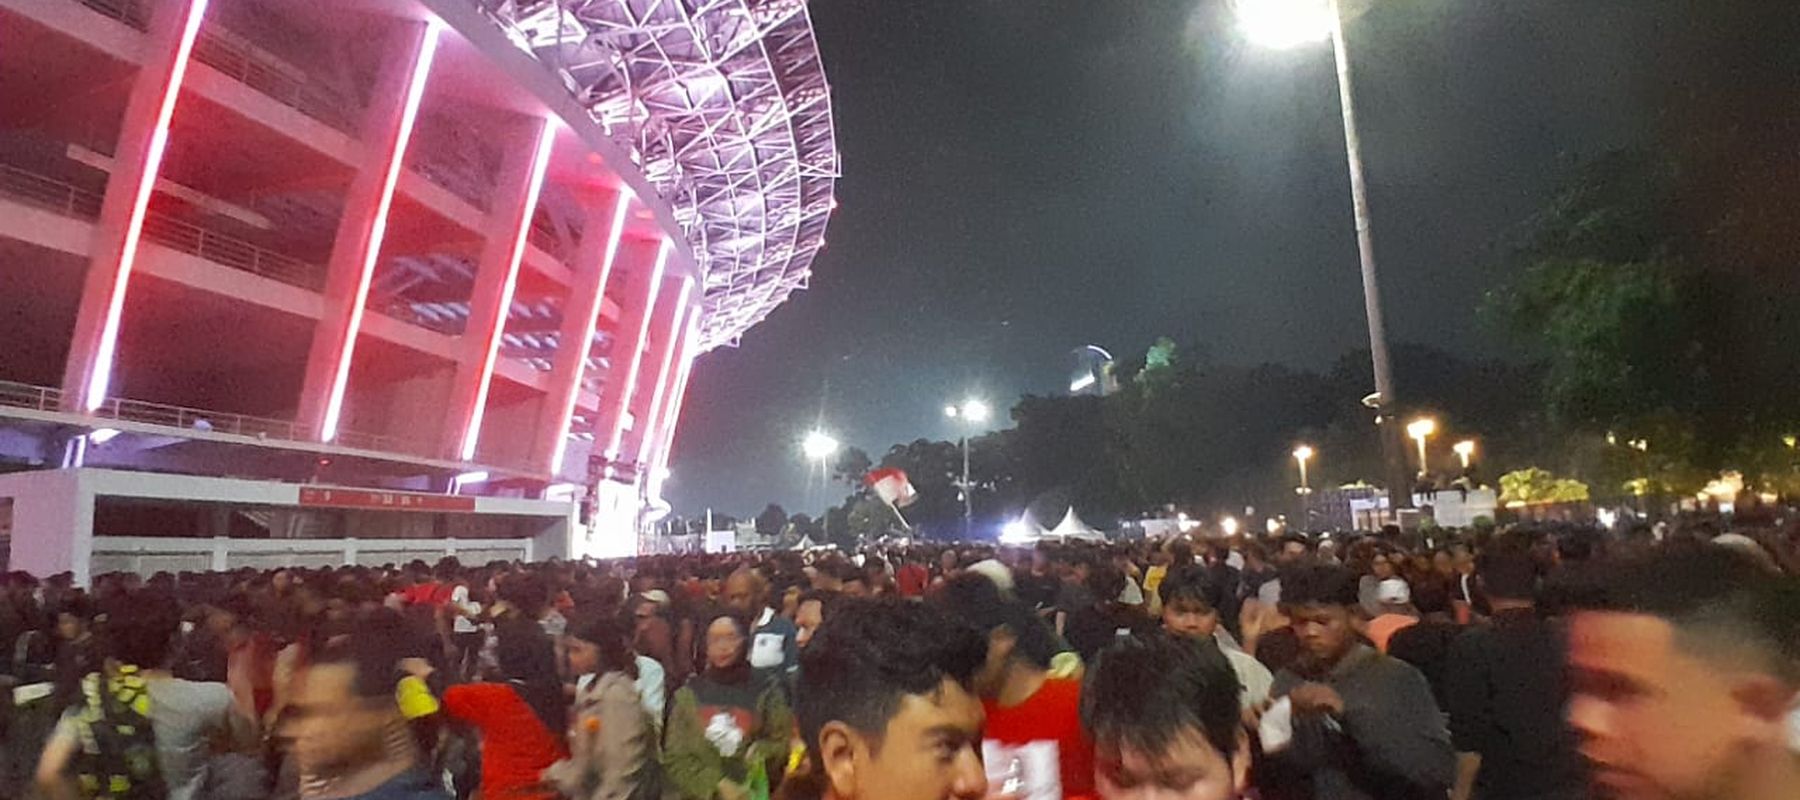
x,y
496,276
666,331
670,412
635,316
593,267
137,159
393,109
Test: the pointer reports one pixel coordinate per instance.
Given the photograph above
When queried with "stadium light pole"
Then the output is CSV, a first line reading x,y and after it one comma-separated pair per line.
x,y
972,413
1287,24
819,447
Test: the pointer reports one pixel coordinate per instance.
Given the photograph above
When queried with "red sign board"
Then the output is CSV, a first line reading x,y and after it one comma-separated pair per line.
x,y
396,501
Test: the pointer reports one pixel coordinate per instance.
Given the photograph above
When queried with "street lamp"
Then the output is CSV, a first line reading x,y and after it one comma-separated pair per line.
x,y
1291,23
1421,429
819,447
1303,454
972,412
1464,450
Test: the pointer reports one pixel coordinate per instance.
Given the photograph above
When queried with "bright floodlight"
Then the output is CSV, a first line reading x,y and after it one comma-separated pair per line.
x,y
1284,23
1229,526
1421,427
1464,448
951,412
1303,453
819,446
1016,532
975,411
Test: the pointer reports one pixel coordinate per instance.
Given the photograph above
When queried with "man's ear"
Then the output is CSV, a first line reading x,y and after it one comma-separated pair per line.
x,y
839,749
1766,701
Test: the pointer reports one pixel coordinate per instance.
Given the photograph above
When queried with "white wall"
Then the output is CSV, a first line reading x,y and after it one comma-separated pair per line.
x,y
52,521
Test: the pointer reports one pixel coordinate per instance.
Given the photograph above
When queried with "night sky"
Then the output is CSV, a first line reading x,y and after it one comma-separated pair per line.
x,y
1021,177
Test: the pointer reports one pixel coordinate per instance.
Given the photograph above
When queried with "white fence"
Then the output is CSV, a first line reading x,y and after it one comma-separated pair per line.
x,y
148,555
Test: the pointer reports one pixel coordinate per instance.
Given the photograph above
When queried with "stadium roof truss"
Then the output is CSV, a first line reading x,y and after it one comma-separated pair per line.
x,y
723,104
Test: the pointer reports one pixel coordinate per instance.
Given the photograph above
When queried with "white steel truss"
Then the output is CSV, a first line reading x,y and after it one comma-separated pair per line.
x,y
723,104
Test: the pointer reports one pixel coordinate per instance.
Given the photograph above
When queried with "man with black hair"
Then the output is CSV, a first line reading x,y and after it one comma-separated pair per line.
x,y
191,721
810,613
887,707
1686,669
1505,687
1033,716
350,739
1165,720
1364,725
1190,610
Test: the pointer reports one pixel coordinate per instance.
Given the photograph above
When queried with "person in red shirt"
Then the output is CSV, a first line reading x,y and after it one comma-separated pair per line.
x,y
1034,746
912,579
521,719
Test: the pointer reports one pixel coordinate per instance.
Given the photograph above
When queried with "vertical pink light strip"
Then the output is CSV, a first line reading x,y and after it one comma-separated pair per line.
x,y
647,429
613,235
659,466
637,351
409,114
100,378
539,164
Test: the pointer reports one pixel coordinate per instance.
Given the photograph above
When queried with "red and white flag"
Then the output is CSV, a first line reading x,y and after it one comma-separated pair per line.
x,y
892,486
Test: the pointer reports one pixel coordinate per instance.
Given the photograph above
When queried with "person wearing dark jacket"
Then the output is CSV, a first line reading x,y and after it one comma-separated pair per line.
x,y
1364,725
1506,687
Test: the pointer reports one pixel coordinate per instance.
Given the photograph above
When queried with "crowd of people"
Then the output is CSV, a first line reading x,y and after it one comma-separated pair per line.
x,y
1523,664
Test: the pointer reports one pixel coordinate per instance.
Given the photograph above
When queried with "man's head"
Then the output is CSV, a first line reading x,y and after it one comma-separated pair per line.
x,y
1686,667
744,592
886,704
1164,718
343,704
142,632
1321,600
1014,635
1190,603
1508,575
1293,550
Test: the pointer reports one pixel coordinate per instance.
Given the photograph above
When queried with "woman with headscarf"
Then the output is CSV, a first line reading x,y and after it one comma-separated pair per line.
x,y
729,730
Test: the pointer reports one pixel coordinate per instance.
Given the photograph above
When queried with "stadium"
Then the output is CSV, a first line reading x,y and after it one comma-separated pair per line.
x,y
308,282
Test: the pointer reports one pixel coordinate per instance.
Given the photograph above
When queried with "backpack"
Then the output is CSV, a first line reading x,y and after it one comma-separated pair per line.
x,y
117,758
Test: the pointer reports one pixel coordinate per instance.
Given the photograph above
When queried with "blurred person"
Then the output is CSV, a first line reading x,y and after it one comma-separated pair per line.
x,y
1189,612
1033,717
1426,643
1108,619
1382,567
1686,669
728,728
887,708
344,718
614,748
810,614
1506,686
1165,721
98,747
773,650
521,717
1394,599
1364,725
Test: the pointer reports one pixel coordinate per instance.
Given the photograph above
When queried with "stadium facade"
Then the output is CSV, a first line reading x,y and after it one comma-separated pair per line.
x,y
328,281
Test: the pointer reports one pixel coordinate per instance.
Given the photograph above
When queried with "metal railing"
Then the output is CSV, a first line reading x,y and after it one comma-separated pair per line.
x,y
49,193
45,398
245,66
232,252
165,230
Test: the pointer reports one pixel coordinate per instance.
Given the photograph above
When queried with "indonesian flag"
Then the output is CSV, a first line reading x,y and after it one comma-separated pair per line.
x,y
891,486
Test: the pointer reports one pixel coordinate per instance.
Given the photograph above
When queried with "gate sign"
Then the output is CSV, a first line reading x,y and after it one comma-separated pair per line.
x,y
394,501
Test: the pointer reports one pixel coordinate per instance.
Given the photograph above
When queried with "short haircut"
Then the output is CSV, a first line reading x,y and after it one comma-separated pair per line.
x,y
374,649
1507,574
977,603
141,630
1721,604
1144,693
870,654
1190,584
1319,584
